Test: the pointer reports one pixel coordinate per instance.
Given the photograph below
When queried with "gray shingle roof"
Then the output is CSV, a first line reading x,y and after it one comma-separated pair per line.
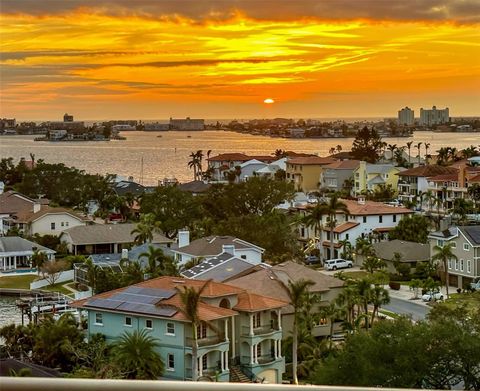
x,y
472,233
107,233
212,245
17,244
409,251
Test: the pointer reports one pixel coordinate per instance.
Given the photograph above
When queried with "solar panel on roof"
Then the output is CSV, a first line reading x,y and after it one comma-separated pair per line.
x,y
132,298
147,309
104,303
153,292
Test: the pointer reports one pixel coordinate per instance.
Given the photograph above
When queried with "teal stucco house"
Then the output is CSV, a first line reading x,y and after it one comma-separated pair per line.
x,y
243,341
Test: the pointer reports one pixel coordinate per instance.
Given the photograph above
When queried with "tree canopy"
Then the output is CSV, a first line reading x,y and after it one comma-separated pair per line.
x,y
413,228
368,145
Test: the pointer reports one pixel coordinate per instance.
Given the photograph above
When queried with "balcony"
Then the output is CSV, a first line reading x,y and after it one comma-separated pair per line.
x,y
262,330
42,384
261,360
207,341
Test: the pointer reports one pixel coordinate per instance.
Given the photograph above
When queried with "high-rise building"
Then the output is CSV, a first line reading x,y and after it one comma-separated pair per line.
x,y
187,124
67,118
434,116
406,116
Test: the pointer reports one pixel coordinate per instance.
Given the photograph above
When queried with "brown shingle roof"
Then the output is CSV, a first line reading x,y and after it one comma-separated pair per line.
x,y
12,202
29,216
311,160
212,245
344,165
428,171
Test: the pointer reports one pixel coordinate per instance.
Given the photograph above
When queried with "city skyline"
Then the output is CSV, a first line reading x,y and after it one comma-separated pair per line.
x,y
219,59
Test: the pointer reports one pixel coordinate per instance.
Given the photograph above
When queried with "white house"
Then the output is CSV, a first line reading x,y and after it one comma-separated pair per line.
x,y
364,219
250,168
270,169
213,246
16,252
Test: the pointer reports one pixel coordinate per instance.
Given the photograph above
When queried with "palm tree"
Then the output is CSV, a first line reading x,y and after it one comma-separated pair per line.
x,y
427,146
136,354
418,146
379,297
444,254
38,259
443,156
332,207
392,148
347,249
154,256
193,164
348,298
297,292
144,230
314,220
409,147
190,298
339,148
364,289
330,312
199,155
331,151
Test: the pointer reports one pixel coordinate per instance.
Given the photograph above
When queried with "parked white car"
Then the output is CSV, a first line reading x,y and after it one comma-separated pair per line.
x,y
337,263
429,296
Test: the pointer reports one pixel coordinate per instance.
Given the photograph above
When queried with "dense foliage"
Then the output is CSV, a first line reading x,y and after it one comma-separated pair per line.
x,y
413,228
368,145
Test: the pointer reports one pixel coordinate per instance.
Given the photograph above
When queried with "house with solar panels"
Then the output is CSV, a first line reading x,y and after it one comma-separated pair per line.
x,y
465,242
239,336
212,246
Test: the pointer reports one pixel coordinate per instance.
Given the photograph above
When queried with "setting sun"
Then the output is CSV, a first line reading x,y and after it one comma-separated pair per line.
x,y
269,101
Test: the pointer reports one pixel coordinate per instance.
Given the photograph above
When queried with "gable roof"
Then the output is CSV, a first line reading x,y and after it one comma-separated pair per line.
x,y
343,165
213,245
409,251
472,233
428,171
30,216
107,233
12,202
194,186
373,208
124,187
10,244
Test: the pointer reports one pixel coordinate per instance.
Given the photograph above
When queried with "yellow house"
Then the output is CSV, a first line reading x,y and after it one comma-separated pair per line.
x,y
304,171
369,177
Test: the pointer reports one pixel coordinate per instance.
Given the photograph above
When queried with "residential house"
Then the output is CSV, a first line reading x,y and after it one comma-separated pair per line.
x,y
124,187
32,217
364,219
114,261
270,169
414,181
338,176
305,171
245,328
195,187
410,253
273,282
104,238
16,252
220,164
213,246
465,242
370,177
250,168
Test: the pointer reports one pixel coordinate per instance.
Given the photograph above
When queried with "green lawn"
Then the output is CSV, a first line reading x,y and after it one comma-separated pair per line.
x,y
471,300
357,275
58,288
17,282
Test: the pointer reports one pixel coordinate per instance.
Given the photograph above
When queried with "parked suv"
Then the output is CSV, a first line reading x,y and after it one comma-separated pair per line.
x,y
337,263
311,259
432,295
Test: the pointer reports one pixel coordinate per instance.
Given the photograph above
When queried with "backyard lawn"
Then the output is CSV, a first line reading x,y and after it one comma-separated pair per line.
x,y
17,282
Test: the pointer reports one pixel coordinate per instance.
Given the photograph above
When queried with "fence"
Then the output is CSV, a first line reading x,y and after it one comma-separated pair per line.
x,y
64,276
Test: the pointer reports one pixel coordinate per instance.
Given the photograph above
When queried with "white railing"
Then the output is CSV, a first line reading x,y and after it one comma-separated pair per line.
x,y
64,276
42,384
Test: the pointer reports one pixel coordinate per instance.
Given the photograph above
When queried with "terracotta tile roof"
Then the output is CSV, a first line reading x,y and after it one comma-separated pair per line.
x,y
444,178
373,208
251,302
311,160
345,227
428,171
344,165
326,243
475,179
382,229
248,301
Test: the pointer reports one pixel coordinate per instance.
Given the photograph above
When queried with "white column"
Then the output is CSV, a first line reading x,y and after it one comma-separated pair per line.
x,y
233,337
279,314
14,261
251,324
275,348
226,360
226,329
252,359
200,366
222,360
256,354
279,348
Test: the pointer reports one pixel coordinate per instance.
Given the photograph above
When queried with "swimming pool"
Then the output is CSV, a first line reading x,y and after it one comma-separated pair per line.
x,y
19,271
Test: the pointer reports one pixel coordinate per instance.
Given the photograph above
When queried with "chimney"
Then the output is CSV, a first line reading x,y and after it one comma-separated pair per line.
x,y
361,200
36,207
124,253
228,248
183,238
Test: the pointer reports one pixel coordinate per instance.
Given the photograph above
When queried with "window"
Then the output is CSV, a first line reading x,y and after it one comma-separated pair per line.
x,y
170,328
469,266
52,226
456,264
364,219
204,362
466,246
440,243
453,244
256,320
170,362
243,256
449,263
128,321
461,265
394,218
148,324
201,331
62,224
380,219
347,236
98,319
66,224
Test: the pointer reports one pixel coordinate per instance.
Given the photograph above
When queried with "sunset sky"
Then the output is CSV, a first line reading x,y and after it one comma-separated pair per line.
x,y
221,59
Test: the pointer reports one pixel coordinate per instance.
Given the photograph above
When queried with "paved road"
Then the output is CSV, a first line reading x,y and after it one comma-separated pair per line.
x,y
406,307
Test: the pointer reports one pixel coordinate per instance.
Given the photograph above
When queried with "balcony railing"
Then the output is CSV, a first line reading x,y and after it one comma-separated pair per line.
x,y
264,329
42,384
212,340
